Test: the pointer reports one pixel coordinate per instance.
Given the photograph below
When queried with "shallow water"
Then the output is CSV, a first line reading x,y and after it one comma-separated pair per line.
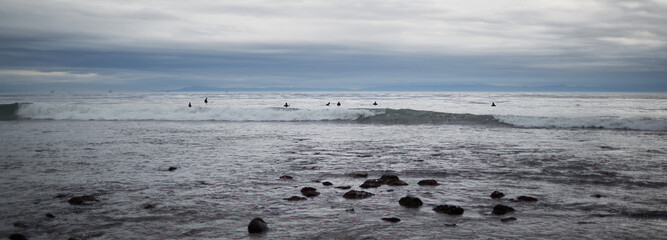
x,y
228,173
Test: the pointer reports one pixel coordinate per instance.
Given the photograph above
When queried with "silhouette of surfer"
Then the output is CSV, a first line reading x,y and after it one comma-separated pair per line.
x,y
286,105
375,103
329,103
206,100
493,104
338,104
189,104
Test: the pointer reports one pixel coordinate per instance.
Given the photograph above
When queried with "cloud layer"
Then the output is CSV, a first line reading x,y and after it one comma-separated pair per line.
x,y
310,43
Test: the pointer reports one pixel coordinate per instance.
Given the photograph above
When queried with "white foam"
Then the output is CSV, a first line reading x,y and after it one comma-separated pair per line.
x,y
635,123
62,111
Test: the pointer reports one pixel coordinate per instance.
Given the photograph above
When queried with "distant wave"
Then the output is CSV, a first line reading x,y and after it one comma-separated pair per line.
x,y
162,112
637,123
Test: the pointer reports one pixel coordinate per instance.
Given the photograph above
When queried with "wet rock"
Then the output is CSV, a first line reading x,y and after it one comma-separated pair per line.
x,y
351,210
327,183
509,219
526,199
309,192
597,195
172,168
295,198
354,194
17,236
391,180
358,175
49,215
80,200
371,183
497,195
449,209
450,225
501,209
396,183
391,219
410,202
344,187
428,182
257,225
286,177
148,206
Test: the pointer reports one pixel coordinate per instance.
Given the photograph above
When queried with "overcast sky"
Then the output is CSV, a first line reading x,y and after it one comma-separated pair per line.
x,y
355,44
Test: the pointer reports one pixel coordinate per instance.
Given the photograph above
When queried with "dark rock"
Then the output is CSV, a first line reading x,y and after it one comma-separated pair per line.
x,y
327,183
351,210
309,192
449,209
428,182
371,183
17,236
358,175
597,196
344,187
389,177
171,169
526,199
81,200
257,225
48,215
391,219
148,206
509,219
410,202
354,194
502,209
295,198
62,195
497,195
450,225
286,177
396,183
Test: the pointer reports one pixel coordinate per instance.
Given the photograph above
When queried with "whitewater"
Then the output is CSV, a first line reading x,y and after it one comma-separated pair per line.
x,y
159,169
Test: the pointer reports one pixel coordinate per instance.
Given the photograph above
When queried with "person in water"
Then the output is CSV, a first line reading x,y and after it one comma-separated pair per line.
x,y
493,104
338,104
375,103
286,105
189,104
206,100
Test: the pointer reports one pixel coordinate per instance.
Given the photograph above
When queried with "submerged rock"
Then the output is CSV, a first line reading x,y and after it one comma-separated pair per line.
x,y
80,200
286,177
257,225
497,195
354,194
391,219
17,236
526,199
295,198
389,177
149,206
501,209
428,182
172,168
49,215
509,219
309,192
371,183
410,202
327,183
449,209
358,175
344,187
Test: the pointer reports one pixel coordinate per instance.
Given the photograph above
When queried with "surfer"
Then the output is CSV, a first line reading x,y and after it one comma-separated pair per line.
x,y
375,103
189,104
206,101
338,104
286,105
329,103
493,104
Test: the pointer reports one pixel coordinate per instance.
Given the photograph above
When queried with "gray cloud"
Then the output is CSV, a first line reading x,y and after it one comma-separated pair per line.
x,y
358,43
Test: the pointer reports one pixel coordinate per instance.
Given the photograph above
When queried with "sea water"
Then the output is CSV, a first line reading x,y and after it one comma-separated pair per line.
x,y
596,162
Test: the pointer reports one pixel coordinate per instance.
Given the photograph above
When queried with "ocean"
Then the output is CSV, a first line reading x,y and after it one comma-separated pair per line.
x,y
154,168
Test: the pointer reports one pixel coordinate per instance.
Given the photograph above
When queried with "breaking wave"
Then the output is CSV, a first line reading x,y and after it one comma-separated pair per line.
x,y
159,112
